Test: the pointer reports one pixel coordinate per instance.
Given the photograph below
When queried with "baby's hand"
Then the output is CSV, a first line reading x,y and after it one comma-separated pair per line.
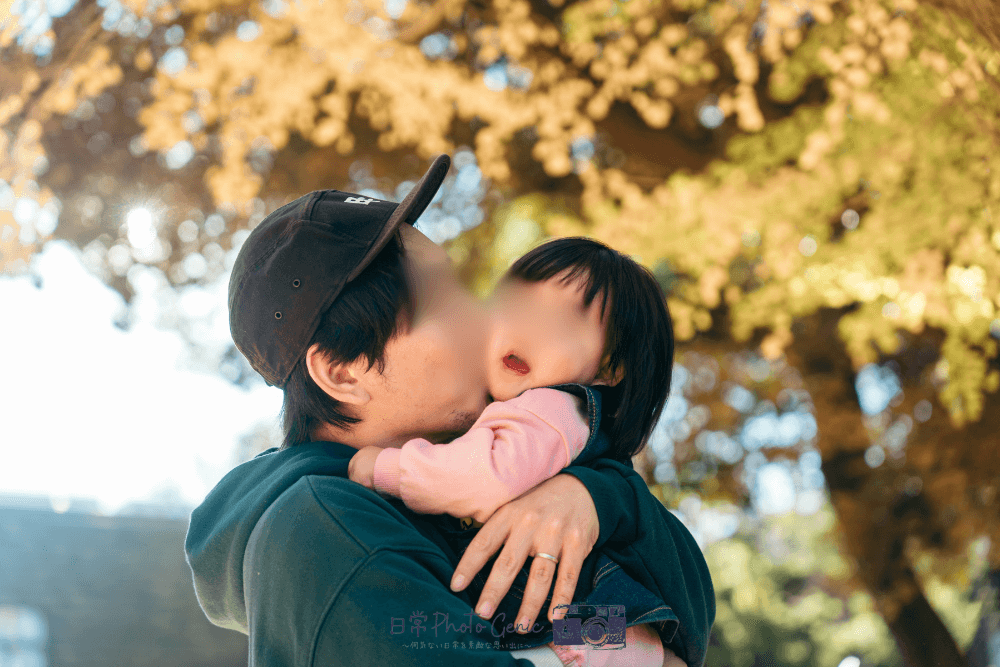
x,y
361,469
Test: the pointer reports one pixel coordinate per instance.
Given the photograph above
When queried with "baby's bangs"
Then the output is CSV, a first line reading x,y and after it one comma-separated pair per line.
x,y
576,259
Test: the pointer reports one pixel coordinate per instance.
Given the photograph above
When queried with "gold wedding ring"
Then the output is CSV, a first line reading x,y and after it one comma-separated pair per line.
x,y
547,557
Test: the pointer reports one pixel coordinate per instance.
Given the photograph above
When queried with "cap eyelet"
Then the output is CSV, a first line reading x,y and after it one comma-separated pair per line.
x,y
277,315
296,282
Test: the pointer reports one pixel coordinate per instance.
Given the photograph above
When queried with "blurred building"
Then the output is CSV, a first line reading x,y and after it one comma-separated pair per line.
x,y
79,590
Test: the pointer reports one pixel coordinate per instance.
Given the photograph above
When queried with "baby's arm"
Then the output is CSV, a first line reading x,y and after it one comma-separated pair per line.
x,y
513,446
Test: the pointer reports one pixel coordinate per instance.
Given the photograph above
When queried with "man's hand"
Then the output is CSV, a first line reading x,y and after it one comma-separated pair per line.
x,y
558,518
361,469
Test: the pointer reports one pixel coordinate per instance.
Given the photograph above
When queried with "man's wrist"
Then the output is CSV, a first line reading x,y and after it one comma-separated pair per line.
x,y
609,491
586,499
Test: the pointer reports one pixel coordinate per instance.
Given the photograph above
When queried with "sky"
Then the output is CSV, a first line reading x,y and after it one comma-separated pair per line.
x,y
94,412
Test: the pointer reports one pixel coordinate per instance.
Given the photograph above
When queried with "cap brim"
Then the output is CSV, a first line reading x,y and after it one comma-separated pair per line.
x,y
412,206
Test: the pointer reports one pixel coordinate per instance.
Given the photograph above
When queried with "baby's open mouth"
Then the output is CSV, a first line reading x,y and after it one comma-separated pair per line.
x,y
516,364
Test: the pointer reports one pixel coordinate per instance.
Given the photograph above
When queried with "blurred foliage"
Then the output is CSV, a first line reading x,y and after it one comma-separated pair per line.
x,y
784,599
771,210
775,608
817,180
782,570
765,230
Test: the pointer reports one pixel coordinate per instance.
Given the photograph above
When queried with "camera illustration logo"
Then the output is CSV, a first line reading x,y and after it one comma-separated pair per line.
x,y
600,626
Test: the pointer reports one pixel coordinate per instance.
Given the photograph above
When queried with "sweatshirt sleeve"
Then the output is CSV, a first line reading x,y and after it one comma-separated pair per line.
x,y
618,493
512,447
655,548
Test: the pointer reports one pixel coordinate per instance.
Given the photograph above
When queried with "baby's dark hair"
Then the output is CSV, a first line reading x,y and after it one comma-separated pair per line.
x,y
640,334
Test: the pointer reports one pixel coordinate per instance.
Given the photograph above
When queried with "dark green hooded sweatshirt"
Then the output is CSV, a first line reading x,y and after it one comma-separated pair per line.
x,y
320,571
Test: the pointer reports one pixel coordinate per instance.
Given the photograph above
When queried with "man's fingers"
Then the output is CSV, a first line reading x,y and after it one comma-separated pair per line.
x,y
557,517
569,573
506,567
539,582
482,547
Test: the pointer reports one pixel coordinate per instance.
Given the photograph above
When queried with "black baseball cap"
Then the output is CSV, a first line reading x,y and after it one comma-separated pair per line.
x,y
297,260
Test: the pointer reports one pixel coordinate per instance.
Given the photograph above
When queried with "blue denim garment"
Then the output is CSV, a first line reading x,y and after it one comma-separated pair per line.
x,y
610,585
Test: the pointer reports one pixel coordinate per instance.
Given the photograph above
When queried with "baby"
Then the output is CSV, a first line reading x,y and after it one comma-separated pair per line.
x,y
581,342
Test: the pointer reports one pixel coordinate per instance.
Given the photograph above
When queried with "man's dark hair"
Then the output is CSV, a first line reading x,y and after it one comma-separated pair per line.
x,y
367,314
640,335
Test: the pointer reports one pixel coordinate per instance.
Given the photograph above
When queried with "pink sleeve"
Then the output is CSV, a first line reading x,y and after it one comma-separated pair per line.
x,y
513,446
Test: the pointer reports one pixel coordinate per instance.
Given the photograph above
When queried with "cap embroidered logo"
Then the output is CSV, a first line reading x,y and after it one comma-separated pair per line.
x,y
358,200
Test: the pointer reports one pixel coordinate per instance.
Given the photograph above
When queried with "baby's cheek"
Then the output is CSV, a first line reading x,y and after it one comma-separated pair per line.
x,y
494,386
502,389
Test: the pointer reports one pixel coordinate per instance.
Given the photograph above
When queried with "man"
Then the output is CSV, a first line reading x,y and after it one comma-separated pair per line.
x,y
363,323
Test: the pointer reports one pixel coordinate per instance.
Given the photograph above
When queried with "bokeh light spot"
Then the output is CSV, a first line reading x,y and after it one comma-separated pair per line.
x,y
119,259
137,146
57,8
738,398
173,61
774,489
395,8
807,246
248,31
173,35
141,230
874,456
922,410
436,45
215,224
187,231
47,219
850,219
25,210
495,76
178,155
274,8
582,148
711,116
192,121
195,265
468,179
891,310
876,387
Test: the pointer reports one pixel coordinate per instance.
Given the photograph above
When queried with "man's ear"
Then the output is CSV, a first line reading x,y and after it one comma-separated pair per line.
x,y
338,379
